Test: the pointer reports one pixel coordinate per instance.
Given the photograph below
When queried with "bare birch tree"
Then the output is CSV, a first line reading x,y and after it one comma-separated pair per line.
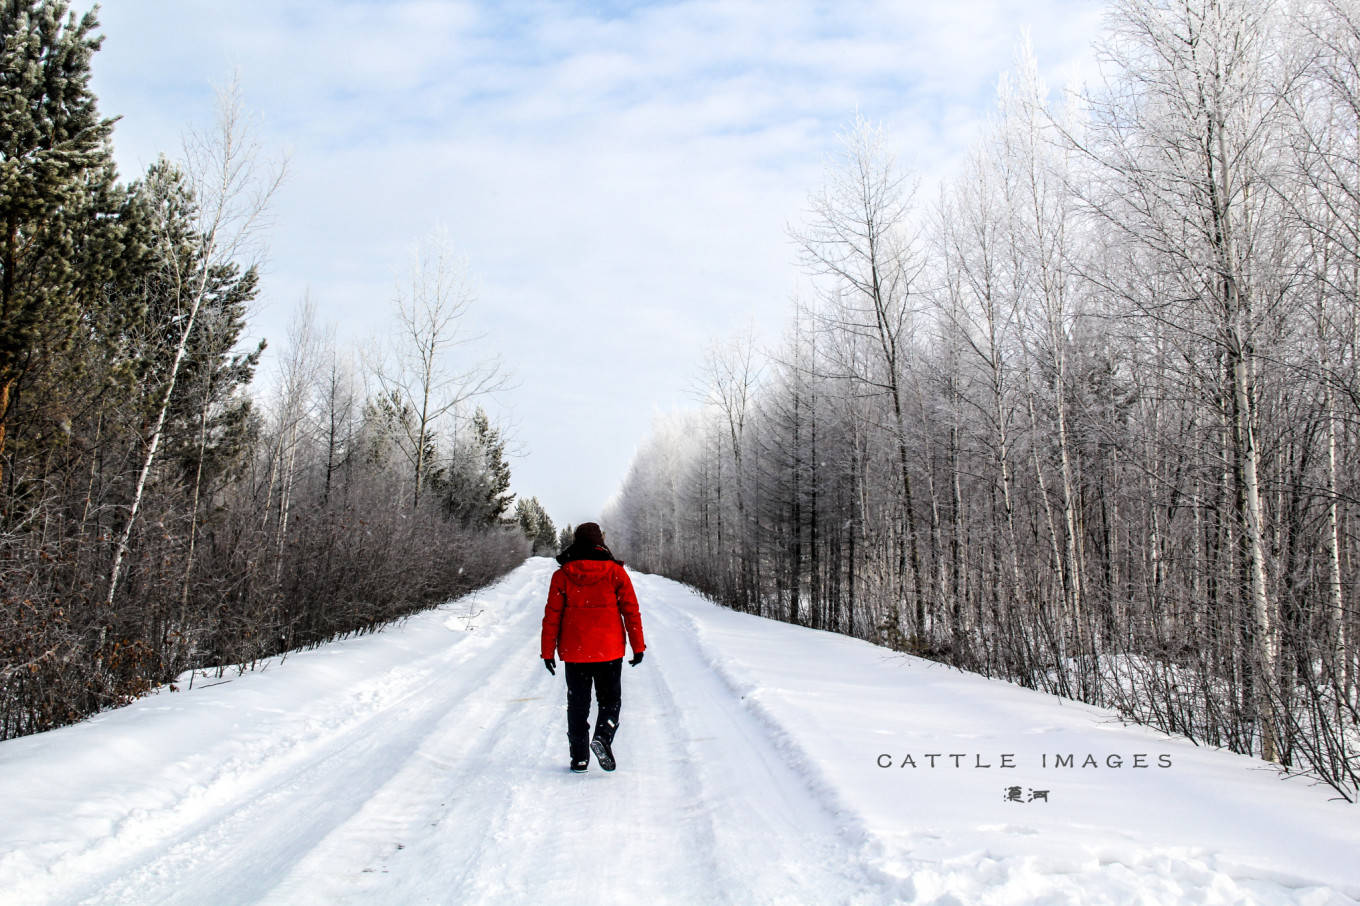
x,y
422,371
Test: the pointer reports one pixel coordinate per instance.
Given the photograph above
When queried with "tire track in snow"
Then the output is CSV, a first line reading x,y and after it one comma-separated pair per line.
x,y
519,827
638,835
782,842
701,810
441,812
236,852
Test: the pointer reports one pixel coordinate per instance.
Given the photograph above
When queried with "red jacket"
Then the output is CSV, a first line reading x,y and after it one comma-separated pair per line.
x,y
590,602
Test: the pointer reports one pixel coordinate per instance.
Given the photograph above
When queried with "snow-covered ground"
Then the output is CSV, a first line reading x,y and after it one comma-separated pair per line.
x,y
427,764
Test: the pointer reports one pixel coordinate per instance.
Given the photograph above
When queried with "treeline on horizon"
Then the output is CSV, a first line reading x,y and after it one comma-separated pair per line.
x,y
1089,420
154,517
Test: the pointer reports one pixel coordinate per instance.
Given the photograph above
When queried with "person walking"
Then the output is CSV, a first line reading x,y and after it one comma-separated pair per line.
x,y
591,604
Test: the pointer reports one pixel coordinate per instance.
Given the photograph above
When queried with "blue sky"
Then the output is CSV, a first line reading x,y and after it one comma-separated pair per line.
x,y
620,176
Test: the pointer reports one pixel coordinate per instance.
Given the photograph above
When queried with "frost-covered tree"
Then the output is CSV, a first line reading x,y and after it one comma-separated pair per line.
x,y
1117,371
56,180
476,485
862,243
421,370
537,525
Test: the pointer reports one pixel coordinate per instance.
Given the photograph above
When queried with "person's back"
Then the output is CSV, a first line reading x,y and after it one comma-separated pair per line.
x,y
591,608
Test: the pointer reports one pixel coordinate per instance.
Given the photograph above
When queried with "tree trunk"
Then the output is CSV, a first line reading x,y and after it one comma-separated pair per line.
x,y
5,388
153,445
1254,534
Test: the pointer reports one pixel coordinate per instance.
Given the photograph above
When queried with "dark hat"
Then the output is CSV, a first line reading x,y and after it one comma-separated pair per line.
x,y
587,543
588,534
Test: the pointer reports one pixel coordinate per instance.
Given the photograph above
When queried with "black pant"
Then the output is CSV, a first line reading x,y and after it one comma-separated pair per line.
x,y
605,675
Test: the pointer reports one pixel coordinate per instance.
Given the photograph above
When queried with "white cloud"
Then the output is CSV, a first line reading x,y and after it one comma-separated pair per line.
x,y
621,184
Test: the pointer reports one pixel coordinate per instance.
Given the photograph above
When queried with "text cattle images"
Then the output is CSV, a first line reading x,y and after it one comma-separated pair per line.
x,y
1008,760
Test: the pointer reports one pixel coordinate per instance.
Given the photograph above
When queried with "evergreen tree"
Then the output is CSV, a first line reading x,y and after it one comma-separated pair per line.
x,y
497,488
537,525
465,486
206,424
55,174
526,514
545,542
476,490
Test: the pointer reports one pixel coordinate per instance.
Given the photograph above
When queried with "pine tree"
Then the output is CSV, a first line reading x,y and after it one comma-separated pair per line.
x,y
526,514
537,525
55,168
497,494
476,489
204,428
545,542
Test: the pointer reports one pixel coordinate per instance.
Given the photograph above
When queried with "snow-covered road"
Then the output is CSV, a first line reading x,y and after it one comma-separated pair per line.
x,y
427,764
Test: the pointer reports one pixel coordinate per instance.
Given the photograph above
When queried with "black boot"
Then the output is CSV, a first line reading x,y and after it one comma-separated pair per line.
x,y
580,752
602,744
580,757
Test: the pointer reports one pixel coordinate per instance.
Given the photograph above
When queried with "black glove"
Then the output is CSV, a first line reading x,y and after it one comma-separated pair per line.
x,y
551,665
635,659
